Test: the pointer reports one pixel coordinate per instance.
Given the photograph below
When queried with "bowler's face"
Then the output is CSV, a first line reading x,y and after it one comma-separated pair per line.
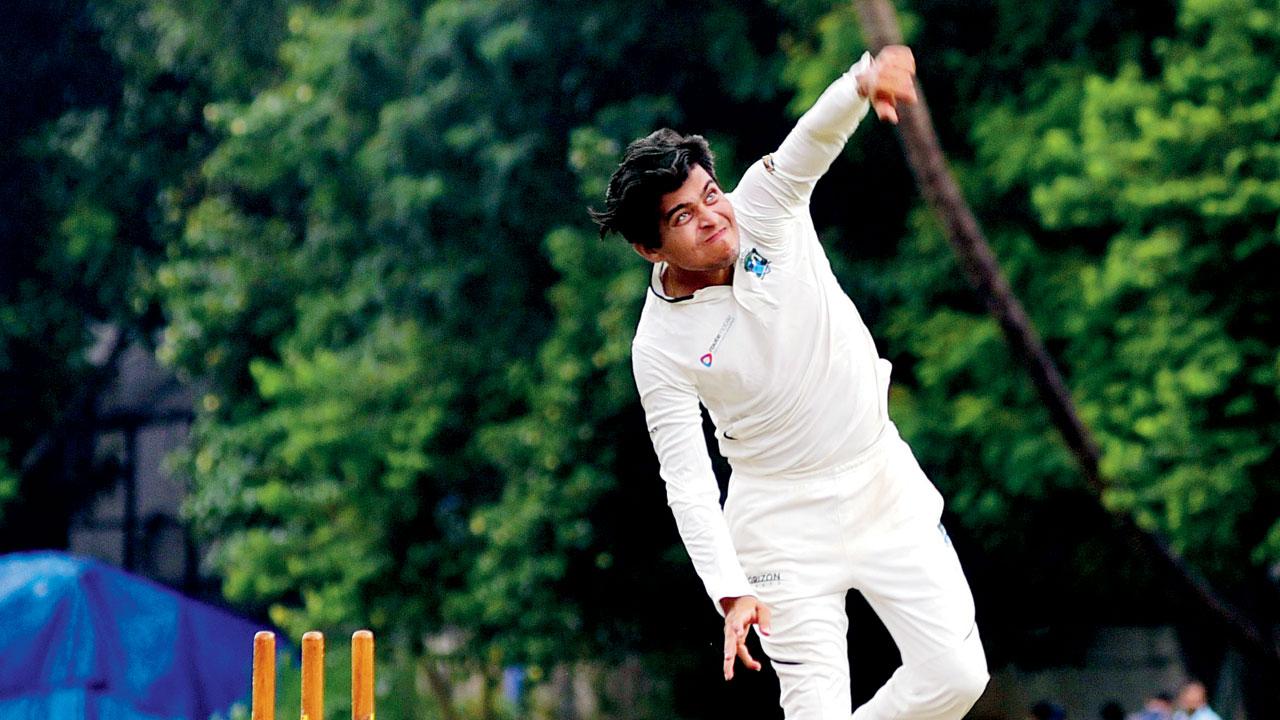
x,y
698,228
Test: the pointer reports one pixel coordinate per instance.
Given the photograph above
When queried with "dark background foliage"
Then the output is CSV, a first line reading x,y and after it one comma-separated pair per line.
x,y
360,224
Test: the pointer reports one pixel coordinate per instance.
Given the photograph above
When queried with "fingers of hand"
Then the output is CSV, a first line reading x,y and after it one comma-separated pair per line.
x,y
745,654
895,84
885,111
737,626
735,633
730,644
891,81
764,619
897,55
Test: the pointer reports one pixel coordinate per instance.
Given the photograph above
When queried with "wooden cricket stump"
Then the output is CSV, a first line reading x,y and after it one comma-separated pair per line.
x,y
264,676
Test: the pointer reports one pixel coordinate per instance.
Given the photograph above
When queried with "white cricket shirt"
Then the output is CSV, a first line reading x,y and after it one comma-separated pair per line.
x,y
780,358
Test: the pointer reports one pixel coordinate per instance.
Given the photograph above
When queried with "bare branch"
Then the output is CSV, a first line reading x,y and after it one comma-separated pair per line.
x,y
940,190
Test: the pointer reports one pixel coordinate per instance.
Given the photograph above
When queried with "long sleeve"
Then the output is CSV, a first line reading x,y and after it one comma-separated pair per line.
x,y
779,186
675,427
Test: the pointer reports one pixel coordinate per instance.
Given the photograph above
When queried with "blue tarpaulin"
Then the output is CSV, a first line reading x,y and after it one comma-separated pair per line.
x,y
83,640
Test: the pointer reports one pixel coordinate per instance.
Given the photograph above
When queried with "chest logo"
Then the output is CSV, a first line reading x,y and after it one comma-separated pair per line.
x,y
756,264
709,356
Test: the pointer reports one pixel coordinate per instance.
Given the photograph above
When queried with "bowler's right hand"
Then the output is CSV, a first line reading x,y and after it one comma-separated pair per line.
x,y
890,80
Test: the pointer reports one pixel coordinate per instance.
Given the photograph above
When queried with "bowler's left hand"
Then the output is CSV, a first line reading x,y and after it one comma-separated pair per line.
x,y
890,80
740,614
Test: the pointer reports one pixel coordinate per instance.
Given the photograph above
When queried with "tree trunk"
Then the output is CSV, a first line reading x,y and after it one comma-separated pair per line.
x,y
491,675
938,186
438,681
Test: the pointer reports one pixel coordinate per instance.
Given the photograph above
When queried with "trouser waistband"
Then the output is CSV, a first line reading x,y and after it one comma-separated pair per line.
x,y
885,438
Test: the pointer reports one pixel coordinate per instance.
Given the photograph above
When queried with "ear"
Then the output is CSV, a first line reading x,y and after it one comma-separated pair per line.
x,y
653,255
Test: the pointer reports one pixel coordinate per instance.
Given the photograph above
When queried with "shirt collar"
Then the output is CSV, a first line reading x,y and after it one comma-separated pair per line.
x,y
655,286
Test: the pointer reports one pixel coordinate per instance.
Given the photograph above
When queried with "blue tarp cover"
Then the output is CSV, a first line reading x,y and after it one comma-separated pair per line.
x,y
81,639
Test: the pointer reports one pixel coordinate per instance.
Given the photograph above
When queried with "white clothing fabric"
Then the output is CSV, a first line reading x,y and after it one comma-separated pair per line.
x,y
872,526
824,496
781,358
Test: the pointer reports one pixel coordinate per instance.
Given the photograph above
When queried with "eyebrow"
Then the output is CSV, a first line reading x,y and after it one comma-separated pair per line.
x,y
667,216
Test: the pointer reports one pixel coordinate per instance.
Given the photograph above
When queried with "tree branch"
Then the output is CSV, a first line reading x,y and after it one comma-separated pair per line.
x,y
940,190
440,686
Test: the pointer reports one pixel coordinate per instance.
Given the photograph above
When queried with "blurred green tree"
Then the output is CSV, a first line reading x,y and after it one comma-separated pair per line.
x,y
362,223
8,480
66,264
419,355
1168,327
1116,183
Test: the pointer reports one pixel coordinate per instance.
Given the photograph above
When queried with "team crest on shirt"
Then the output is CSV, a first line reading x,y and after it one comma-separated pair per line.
x,y
756,264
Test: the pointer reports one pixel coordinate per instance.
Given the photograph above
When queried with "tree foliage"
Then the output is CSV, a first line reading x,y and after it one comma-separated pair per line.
x,y
1173,318
360,223
67,258
1085,130
419,356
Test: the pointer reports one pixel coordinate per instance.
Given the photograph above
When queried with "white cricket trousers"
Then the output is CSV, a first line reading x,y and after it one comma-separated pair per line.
x,y
872,526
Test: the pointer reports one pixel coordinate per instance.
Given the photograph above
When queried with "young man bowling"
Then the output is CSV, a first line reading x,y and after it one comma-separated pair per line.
x,y
745,317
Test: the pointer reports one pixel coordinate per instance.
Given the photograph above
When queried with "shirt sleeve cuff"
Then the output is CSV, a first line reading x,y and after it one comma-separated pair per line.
x,y
732,588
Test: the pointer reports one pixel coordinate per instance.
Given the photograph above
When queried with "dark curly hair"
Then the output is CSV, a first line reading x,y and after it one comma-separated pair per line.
x,y
651,167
